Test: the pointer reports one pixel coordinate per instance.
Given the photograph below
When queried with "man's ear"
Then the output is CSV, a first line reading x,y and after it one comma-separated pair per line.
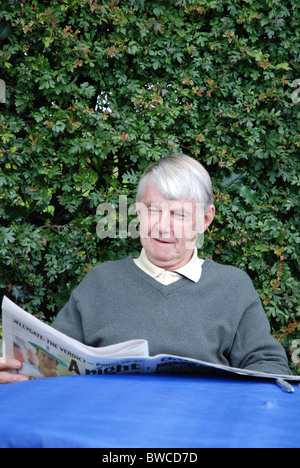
x,y
209,216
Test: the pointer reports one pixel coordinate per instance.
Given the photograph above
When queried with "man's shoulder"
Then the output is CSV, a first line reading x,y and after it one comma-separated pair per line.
x,y
228,274
103,275
110,267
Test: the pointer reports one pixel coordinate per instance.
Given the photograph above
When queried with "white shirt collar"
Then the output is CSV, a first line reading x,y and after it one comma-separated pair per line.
x,y
192,270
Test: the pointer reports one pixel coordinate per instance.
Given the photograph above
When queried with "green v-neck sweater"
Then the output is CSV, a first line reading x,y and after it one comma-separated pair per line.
x,y
220,319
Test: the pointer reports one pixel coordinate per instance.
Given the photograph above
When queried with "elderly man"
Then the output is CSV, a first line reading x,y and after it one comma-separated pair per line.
x,y
181,304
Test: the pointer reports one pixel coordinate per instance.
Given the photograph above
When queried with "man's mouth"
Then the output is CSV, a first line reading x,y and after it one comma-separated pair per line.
x,y
165,241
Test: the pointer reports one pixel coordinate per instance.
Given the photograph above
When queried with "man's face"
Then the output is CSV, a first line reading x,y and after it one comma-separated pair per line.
x,y
168,228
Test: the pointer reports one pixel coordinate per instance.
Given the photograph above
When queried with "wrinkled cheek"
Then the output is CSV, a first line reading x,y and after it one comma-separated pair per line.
x,y
178,229
190,232
147,228
143,231
154,231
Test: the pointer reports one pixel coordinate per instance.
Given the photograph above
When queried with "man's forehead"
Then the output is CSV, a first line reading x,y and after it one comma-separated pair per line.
x,y
153,195
172,205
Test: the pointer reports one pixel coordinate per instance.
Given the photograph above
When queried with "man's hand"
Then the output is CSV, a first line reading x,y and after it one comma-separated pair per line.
x,y
8,377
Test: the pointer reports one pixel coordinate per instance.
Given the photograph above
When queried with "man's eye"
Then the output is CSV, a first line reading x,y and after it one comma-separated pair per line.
x,y
179,215
153,211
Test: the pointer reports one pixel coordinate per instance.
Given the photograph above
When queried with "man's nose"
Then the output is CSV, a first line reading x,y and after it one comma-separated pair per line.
x,y
165,225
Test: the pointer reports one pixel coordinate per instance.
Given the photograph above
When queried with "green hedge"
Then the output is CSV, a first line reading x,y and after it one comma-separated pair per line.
x,y
96,91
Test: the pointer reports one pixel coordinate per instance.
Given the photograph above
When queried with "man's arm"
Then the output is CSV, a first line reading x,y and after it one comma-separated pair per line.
x,y
254,347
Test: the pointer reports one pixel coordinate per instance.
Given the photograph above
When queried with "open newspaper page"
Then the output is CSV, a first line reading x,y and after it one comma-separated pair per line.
x,y
46,352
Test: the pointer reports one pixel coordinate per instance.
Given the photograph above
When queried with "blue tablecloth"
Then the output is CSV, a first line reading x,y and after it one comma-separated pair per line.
x,y
149,411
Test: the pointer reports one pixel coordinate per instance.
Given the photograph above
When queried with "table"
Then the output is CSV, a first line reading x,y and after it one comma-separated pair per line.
x,y
149,411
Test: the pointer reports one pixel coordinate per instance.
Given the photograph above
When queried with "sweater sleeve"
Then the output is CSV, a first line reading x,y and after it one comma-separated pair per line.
x,y
254,347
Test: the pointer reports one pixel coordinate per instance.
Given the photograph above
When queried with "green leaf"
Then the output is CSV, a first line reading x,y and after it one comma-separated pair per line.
x,y
261,248
6,236
5,30
249,195
284,66
234,180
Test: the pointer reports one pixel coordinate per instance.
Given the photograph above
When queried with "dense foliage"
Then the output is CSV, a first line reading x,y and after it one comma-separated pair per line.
x,y
97,90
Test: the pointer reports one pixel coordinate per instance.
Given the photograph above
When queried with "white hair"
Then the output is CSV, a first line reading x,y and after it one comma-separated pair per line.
x,y
178,176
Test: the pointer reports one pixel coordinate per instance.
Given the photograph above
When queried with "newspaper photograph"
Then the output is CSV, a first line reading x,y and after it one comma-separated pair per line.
x,y
46,352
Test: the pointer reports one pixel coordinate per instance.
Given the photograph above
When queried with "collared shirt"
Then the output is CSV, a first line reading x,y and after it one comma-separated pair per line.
x,y
192,270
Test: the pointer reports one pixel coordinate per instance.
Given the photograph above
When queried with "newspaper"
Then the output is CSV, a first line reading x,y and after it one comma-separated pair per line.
x,y
46,352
